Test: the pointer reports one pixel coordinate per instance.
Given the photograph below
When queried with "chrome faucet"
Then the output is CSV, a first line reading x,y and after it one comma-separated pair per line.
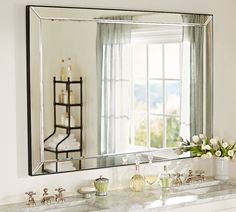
x,y
199,176
46,198
177,179
30,202
59,196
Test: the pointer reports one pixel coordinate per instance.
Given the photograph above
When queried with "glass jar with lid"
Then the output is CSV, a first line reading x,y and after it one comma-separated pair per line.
x,y
101,185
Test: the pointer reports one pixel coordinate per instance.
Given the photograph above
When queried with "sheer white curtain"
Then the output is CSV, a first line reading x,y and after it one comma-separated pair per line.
x,y
193,73
114,85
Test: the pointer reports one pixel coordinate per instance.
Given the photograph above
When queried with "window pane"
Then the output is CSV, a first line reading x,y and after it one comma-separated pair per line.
x,y
172,97
172,131
172,58
140,124
140,61
156,96
156,131
155,60
140,96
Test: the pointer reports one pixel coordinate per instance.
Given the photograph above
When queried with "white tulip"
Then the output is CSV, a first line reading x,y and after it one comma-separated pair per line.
x,y
207,147
195,139
208,155
215,147
225,144
204,142
202,136
213,141
231,153
204,156
203,147
218,153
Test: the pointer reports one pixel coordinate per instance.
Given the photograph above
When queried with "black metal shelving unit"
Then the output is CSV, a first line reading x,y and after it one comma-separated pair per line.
x,y
68,128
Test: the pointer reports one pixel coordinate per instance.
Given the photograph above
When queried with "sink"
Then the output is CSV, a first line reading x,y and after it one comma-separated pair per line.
x,y
71,205
172,201
181,199
199,191
76,208
197,186
206,188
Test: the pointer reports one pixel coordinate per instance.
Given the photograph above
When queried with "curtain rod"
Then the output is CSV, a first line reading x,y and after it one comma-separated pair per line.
x,y
105,21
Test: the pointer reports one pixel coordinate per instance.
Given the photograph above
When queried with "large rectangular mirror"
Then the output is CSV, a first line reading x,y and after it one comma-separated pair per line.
x,y
106,87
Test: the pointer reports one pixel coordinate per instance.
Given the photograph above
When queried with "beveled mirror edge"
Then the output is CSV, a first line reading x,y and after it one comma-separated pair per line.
x,y
119,9
31,172
109,166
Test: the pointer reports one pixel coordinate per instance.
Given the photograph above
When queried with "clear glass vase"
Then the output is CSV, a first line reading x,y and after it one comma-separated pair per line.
x,y
221,168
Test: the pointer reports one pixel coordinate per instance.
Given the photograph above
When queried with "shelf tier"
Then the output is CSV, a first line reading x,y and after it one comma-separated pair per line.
x,y
71,128
71,105
66,82
49,149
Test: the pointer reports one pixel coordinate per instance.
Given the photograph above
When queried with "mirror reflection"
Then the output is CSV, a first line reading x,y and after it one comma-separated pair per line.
x,y
106,85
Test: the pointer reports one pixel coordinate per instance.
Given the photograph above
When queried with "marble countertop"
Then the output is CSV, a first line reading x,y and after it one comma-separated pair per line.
x,y
151,198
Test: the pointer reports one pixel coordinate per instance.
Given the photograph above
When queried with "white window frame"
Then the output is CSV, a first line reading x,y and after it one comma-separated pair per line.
x,y
163,36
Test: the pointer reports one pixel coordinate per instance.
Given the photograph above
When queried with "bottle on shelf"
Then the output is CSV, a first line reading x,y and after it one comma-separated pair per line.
x,y
165,179
72,120
137,181
63,73
72,97
69,68
61,96
65,100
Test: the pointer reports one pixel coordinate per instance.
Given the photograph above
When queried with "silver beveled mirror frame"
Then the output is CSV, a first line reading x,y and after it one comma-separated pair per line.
x,y
209,85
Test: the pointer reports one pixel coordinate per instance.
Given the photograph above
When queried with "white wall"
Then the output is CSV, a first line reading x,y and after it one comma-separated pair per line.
x,y
13,156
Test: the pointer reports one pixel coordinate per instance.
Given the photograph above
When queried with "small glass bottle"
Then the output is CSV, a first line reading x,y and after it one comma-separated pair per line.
x,y
65,99
63,74
61,96
69,68
72,120
165,179
72,97
137,181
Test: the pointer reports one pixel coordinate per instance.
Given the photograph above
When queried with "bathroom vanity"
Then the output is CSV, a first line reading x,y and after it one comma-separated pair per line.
x,y
205,196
